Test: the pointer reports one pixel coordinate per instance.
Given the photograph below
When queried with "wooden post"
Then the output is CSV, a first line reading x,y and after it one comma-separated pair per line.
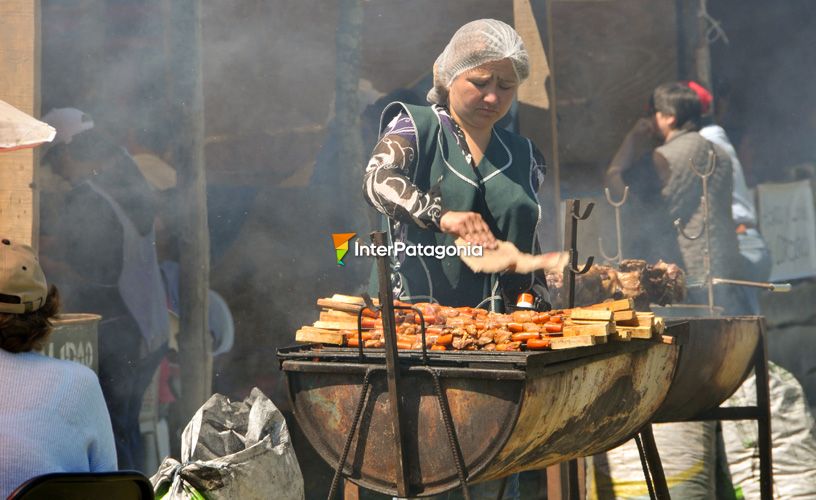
x,y
537,119
20,87
183,34
347,177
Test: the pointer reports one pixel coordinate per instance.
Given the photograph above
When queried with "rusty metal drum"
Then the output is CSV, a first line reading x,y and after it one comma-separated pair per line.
x,y
714,361
510,411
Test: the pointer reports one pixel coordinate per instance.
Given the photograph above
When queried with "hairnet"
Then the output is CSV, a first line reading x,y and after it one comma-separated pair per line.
x,y
474,44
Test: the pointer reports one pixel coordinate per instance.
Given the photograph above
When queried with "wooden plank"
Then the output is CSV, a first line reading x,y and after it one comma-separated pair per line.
x,y
570,342
307,334
621,336
627,315
595,329
638,332
330,315
591,314
20,87
337,325
614,305
338,306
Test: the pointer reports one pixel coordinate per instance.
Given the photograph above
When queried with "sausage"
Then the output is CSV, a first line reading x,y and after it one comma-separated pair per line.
x,y
522,336
554,327
541,318
437,347
522,316
433,330
407,338
531,327
370,314
515,327
538,344
444,340
404,345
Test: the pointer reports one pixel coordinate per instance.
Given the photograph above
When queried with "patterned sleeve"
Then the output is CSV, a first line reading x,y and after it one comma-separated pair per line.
x,y
387,184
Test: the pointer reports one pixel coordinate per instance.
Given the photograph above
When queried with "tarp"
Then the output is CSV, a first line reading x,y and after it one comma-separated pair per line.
x,y
233,450
19,130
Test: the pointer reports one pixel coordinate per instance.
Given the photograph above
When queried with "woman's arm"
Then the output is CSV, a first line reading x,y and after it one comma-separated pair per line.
x,y
387,184
388,187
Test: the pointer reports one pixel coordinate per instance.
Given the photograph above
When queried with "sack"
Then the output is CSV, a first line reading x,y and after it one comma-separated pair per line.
x,y
687,452
792,434
233,450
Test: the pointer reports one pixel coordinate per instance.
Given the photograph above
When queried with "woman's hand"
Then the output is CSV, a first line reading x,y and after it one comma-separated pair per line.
x,y
470,226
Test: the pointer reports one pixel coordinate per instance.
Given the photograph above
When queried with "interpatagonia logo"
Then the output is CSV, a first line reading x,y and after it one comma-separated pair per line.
x,y
341,245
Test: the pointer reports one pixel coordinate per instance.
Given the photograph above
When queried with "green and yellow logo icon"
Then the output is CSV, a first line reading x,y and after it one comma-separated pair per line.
x,y
341,245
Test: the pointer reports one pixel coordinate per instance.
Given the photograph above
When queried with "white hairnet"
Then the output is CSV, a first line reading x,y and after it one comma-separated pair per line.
x,y
472,45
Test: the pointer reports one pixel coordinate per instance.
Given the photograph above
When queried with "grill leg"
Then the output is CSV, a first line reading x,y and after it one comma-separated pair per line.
x,y
764,417
653,461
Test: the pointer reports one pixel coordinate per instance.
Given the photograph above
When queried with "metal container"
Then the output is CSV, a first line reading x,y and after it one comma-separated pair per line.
x,y
75,338
510,411
714,361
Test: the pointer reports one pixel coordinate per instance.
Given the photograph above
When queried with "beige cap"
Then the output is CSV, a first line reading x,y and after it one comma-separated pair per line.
x,y
22,283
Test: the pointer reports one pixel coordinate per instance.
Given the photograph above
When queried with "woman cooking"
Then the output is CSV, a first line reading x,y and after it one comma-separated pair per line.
x,y
444,171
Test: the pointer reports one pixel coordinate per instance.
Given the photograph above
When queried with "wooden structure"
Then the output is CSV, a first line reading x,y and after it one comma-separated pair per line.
x,y
20,87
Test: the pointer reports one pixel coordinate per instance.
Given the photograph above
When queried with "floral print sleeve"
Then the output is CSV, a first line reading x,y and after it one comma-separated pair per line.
x,y
387,181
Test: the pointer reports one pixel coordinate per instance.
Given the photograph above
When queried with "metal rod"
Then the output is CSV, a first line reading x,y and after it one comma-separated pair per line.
x,y
571,219
354,423
617,206
706,231
764,420
647,474
655,466
774,287
450,431
391,362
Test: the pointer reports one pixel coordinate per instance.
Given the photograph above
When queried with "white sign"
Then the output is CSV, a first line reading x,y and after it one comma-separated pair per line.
x,y
788,224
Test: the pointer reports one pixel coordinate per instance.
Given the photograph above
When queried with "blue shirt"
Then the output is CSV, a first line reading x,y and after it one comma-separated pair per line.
x,y
53,418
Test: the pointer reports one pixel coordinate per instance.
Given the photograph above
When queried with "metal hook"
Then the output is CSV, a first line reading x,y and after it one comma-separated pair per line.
x,y
586,267
617,204
711,165
606,257
587,210
680,229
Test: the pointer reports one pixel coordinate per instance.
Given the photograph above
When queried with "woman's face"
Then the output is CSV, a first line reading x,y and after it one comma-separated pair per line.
x,y
479,97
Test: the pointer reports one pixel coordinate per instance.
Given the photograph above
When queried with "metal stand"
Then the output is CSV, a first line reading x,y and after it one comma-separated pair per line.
x,y
761,413
391,371
705,231
563,480
618,257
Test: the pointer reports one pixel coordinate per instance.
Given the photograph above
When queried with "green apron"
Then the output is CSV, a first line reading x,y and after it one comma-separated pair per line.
x,y
499,189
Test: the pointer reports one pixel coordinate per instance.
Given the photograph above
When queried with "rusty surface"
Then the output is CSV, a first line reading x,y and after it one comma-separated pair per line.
x,y
586,409
714,361
525,413
483,412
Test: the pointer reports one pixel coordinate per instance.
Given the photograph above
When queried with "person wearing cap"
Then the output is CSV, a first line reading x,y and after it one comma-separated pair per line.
x,y
675,119
53,416
101,247
445,171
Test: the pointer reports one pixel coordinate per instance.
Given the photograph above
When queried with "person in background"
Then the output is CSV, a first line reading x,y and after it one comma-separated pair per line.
x,y
444,171
52,413
756,262
675,119
101,246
